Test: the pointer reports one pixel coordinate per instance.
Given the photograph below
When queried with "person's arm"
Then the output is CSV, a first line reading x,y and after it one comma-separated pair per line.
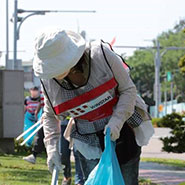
x,y
127,93
37,110
51,128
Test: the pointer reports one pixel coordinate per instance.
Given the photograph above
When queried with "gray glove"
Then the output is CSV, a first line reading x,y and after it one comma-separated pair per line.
x,y
54,159
114,129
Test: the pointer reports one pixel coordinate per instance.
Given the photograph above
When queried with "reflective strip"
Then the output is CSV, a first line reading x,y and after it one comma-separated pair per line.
x,y
86,97
90,106
101,112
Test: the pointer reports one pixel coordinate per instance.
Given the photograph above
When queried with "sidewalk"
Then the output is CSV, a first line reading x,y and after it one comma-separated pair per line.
x,y
154,148
159,173
162,174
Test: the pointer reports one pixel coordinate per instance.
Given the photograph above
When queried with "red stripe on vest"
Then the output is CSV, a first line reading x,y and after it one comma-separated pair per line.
x,y
101,112
85,97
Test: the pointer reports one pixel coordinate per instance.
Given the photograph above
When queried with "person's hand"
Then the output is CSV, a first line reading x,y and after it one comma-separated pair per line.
x,y
114,130
54,159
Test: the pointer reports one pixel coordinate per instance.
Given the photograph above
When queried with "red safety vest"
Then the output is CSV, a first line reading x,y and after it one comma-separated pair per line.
x,y
92,105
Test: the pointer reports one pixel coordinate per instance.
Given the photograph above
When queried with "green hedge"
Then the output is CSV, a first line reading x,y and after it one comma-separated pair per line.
x,y
176,142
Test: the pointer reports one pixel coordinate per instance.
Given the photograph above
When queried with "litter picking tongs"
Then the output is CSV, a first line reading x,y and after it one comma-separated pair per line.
x,y
54,180
34,132
55,173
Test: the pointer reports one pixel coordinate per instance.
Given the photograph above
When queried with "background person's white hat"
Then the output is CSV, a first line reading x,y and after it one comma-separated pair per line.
x,y
56,52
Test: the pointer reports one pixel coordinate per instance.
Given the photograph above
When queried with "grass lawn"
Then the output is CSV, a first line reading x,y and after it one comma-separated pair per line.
x,y
15,171
172,162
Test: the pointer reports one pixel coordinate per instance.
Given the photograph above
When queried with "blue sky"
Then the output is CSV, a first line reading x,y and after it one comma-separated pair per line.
x,y
132,22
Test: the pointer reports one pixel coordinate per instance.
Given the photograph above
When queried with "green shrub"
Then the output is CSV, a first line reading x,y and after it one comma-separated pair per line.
x,y
156,122
22,149
176,142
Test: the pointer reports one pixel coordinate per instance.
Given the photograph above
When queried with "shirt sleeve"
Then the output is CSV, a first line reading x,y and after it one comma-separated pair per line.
x,y
51,127
126,88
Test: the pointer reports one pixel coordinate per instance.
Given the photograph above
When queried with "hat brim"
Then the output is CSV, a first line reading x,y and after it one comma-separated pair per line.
x,y
52,67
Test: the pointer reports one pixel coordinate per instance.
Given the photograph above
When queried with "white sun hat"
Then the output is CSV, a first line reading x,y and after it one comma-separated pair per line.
x,y
56,52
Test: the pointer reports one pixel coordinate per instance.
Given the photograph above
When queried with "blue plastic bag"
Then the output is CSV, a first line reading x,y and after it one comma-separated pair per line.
x,y
107,171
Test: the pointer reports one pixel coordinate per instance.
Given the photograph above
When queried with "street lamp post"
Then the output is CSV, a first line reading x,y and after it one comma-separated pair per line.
x,y
15,35
31,13
23,19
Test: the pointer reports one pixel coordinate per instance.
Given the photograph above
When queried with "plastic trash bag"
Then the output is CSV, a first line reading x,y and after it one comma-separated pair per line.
x,y
107,171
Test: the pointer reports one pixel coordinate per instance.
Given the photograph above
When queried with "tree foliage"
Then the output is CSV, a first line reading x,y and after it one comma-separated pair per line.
x,y
142,61
182,62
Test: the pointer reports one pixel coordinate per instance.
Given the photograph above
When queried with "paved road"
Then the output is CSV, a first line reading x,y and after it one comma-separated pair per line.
x,y
158,173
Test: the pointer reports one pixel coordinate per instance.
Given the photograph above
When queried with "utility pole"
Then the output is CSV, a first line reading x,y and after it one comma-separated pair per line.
x,y
165,95
157,92
7,35
171,93
15,36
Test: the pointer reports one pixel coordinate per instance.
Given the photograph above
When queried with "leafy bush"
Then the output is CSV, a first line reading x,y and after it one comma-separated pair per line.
x,y
22,149
156,122
176,142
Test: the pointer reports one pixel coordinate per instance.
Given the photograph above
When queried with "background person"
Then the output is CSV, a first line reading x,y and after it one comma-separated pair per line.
x,y
30,106
38,146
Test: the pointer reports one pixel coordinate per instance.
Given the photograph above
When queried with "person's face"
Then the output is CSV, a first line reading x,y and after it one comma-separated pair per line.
x,y
62,76
76,74
34,93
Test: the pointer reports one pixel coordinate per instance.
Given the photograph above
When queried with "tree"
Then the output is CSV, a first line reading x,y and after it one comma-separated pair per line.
x,y
143,72
142,62
182,62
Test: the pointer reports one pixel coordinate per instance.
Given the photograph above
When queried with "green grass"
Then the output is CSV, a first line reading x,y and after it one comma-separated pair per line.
x,y
15,171
183,183
171,162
